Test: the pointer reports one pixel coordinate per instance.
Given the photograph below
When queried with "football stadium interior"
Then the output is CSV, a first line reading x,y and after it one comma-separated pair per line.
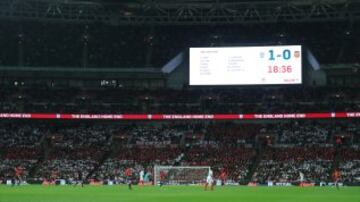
x,y
179,100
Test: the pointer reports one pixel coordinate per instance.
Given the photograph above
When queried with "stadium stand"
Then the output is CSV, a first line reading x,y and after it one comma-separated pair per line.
x,y
292,99
102,151
39,60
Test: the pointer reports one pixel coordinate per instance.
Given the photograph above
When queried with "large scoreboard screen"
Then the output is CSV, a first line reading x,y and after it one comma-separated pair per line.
x,y
254,65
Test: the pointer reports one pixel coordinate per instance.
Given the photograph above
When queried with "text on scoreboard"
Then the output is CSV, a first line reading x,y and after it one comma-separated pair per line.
x,y
255,65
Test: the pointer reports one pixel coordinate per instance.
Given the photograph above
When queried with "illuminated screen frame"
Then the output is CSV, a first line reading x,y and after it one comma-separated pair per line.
x,y
247,84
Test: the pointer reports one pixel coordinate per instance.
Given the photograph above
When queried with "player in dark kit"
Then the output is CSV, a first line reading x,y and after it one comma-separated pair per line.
x,y
223,177
162,178
80,179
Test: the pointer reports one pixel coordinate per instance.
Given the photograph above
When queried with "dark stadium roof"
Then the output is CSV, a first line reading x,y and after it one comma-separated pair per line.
x,y
208,1
177,1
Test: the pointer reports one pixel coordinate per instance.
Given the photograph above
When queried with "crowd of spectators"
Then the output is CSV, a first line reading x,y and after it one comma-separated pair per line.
x,y
304,134
350,171
7,167
350,164
75,149
231,133
21,153
83,135
19,147
65,169
158,134
285,164
103,150
114,170
26,136
24,158
235,161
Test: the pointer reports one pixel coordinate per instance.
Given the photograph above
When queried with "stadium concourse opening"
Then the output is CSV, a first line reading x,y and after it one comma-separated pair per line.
x,y
186,100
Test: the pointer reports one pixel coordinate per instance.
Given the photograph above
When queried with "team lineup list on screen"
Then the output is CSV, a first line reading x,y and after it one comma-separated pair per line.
x,y
257,65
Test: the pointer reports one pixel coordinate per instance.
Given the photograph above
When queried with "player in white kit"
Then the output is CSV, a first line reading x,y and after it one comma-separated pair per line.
x,y
209,180
141,178
301,178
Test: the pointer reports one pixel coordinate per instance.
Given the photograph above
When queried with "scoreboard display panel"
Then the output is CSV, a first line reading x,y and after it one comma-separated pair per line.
x,y
254,65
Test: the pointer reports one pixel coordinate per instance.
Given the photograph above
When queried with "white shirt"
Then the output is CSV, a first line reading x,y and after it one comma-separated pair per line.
x,y
210,173
141,175
301,176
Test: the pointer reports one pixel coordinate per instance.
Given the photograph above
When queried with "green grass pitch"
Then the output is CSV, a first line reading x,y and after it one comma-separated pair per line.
x,y
38,193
